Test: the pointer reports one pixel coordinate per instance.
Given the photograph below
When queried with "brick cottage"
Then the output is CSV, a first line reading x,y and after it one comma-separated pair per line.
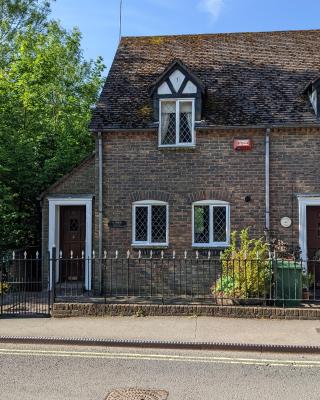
x,y
196,136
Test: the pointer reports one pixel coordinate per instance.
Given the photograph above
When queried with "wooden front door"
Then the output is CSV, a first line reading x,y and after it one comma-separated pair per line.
x,y
313,241
72,238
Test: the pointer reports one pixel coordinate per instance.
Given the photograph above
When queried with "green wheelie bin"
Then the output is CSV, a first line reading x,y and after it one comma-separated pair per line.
x,y
287,283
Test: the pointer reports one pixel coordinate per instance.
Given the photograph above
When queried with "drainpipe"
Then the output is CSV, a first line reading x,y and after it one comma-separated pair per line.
x,y
267,183
100,207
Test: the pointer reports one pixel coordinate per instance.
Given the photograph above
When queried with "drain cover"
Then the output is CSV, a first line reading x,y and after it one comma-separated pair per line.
x,y
137,394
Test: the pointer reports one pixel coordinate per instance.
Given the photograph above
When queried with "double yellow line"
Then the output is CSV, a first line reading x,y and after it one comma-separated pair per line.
x,y
161,357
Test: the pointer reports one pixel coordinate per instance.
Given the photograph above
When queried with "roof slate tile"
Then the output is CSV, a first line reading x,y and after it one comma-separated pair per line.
x,y
250,78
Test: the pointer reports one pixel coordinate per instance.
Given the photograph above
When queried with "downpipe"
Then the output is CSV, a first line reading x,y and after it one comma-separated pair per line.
x,y
267,185
100,208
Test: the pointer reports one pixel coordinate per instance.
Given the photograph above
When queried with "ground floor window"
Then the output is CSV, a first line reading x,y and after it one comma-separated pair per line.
x,y
211,223
150,223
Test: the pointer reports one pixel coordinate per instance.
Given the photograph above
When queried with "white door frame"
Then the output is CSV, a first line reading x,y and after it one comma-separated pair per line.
x,y
54,231
304,201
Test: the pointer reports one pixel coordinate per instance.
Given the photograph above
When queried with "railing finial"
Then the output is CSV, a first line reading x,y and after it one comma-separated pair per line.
x,y
37,255
128,254
185,254
139,254
197,254
82,254
174,254
150,254
13,255
25,255
117,253
105,254
209,254
162,254
71,253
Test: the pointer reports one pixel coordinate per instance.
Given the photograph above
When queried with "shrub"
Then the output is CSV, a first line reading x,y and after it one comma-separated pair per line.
x,y
246,270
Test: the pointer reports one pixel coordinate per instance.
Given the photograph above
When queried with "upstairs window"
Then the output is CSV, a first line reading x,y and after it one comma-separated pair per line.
x,y
150,223
176,122
211,224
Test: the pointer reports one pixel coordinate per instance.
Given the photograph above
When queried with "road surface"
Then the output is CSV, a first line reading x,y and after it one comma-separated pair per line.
x,y
55,373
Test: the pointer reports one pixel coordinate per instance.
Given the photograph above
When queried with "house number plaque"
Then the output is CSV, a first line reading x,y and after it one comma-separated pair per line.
x,y
117,224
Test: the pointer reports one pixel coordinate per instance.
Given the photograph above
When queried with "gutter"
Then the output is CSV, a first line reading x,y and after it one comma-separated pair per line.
x,y
211,127
100,202
267,184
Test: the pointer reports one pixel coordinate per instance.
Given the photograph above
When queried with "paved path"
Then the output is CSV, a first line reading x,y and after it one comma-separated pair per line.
x,y
227,330
58,373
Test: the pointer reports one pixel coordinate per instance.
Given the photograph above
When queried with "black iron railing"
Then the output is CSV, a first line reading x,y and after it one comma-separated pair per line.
x,y
169,279
23,291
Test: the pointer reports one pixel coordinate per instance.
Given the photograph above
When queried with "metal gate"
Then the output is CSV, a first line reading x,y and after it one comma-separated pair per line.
x,y
23,292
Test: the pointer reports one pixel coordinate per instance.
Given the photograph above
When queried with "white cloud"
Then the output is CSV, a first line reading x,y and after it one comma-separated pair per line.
x,y
213,7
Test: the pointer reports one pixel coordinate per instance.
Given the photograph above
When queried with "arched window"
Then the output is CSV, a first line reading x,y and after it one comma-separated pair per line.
x,y
210,223
150,223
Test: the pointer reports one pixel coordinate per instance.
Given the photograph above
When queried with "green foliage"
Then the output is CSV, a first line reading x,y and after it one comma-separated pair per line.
x,y
245,268
47,90
307,280
4,287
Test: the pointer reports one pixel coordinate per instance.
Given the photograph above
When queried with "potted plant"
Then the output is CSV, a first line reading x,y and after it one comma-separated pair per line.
x,y
307,282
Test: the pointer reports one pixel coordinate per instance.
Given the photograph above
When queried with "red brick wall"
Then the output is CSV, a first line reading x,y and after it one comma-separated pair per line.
x,y
294,168
136,169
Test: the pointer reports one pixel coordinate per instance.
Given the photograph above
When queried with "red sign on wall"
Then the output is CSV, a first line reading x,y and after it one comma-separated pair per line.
x,y
242,144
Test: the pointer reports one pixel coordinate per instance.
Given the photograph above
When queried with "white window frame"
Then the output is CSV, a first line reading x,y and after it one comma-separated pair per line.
x,y
148,204
212,204
178,101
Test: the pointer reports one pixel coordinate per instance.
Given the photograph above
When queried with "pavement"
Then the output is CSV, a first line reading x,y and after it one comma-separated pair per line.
x,y
169,329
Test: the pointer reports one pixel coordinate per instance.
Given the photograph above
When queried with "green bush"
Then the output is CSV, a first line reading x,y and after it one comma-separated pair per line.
x,y
246,270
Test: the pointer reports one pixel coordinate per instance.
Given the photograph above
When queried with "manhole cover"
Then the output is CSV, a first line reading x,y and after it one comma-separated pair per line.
x,y
137,394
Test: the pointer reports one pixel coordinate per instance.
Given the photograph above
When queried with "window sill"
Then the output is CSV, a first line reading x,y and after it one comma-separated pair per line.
x,y
178,147
210,246
149,246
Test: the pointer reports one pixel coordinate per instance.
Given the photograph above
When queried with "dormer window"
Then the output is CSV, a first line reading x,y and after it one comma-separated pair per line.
x,y
313,92
176,126
177,99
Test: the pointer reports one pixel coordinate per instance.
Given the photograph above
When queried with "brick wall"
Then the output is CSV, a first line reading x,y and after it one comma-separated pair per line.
x,y
136,169
294,168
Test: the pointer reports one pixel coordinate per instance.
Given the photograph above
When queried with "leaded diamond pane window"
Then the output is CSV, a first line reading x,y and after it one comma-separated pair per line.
x,y
219,224
176,123
185,131
210,224
141,224
201,224
168,122
159,224
150,223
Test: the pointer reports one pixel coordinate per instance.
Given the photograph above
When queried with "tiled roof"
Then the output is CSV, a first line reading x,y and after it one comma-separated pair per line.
x,y
250,78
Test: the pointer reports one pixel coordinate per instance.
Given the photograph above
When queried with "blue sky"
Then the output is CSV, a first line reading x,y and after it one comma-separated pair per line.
x,y
98,20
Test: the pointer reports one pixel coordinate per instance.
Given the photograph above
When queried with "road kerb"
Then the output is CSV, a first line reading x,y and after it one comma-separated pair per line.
x,y
182,345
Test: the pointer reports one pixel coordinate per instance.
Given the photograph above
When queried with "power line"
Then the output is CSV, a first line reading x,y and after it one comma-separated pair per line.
x,y
120,21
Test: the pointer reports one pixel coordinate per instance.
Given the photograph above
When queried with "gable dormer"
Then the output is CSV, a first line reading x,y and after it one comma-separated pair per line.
x,y
313,92
177,104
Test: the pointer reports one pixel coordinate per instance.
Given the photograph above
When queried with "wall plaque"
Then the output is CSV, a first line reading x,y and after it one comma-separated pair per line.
x,y
286,222
117,224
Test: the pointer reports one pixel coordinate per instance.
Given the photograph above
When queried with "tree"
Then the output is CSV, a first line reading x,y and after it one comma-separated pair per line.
x,y
47,90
